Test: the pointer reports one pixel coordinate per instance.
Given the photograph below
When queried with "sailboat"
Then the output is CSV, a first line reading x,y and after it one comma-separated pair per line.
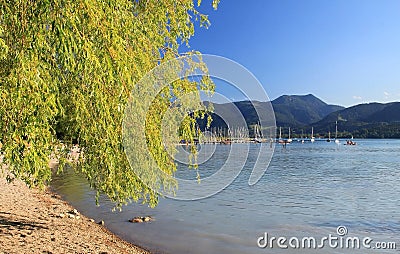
x,y
257,134
312,135
289,140
280,141
337,141
329,137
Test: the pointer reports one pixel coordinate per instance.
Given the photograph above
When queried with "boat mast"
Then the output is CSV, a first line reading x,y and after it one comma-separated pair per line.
x,y
336,139
336,131
312,134
289,139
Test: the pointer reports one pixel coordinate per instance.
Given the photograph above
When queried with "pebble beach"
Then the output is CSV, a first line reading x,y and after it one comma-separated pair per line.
x,y
36,221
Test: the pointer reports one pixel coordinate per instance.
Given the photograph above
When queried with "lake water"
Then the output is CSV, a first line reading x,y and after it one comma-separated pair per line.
x,y
308,191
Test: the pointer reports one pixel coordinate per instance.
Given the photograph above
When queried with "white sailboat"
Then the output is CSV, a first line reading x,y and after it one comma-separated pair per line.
x,y
280,140
337,141
257,134
312,135
289,140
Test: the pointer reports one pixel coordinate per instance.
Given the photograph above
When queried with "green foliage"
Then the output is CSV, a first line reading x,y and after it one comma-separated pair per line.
x,y
67,71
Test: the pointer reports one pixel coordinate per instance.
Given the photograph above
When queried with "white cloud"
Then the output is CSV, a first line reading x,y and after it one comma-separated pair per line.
x,y
386,94
357,97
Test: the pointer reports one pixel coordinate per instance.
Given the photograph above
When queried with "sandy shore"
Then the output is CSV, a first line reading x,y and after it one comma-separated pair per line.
x,y
33,221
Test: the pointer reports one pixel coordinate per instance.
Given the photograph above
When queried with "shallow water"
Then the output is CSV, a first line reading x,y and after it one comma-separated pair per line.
x,y
308,191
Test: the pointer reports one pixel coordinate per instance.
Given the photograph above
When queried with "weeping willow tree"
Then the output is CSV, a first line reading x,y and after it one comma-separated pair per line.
x,y
68,68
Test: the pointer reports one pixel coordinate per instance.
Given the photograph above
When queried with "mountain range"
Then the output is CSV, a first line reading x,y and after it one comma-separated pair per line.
x,y
301,112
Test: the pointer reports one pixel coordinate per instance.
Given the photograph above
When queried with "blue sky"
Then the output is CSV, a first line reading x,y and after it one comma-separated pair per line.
x,y
345,52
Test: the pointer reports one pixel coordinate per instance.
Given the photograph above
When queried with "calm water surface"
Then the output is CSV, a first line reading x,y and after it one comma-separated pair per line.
x,y
308,191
